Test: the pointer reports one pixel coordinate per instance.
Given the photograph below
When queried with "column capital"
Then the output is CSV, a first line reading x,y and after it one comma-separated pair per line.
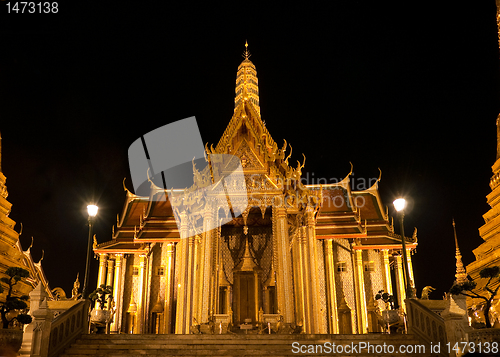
x,y
103,257
279,210
310,221
118,260
209,211
329,246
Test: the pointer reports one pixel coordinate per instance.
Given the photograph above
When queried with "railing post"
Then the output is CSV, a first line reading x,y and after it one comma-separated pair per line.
x,y
455,320
37,296
41,330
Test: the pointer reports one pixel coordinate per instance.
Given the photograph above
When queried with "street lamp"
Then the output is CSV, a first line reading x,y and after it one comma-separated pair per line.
x,y
92,211
400,205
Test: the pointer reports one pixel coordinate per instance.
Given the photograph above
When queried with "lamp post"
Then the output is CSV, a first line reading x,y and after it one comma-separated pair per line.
x,y
92,211
400,205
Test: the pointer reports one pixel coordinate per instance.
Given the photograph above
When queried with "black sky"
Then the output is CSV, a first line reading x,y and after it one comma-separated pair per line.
x,y
411,88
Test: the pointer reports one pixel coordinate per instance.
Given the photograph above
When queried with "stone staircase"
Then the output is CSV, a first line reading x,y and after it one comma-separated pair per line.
x,y
243,345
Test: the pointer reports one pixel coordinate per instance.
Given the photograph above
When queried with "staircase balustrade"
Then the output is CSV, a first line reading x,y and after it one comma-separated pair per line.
x,y
426,324
50,336
68,326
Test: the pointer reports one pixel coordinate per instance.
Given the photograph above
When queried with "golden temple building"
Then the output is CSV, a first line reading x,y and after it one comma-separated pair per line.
x,y
11,252
488,253
300,258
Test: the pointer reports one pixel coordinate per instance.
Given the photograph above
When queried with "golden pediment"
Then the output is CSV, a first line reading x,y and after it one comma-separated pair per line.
x,y
248,157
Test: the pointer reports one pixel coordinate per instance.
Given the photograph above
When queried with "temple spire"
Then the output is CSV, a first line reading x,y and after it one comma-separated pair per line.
x,y
247,84
461,275
246,54
3,187
498,118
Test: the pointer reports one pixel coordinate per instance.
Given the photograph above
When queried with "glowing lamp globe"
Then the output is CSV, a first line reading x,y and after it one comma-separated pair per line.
x,y
399,204
92,210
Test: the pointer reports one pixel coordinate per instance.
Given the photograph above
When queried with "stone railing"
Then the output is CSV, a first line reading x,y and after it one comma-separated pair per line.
x,y
50,336
67,327
481,336
55,325
427,325
443,322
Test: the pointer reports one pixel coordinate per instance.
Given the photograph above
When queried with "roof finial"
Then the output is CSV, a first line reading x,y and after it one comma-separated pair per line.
x,y
461,275
246,54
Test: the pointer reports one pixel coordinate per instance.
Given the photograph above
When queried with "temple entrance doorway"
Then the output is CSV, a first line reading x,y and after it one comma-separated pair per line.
x,y
246,259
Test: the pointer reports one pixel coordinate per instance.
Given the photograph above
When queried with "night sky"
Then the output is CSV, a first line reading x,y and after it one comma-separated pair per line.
x,y
412,89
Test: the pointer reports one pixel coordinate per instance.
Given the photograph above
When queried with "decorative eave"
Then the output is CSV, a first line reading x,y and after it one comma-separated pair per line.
x,y
411,246
35,268
373,190
130,200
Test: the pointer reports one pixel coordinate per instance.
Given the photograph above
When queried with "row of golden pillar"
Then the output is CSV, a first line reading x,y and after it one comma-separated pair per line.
x,y
307,280
112,270
307,276
197,292
110,274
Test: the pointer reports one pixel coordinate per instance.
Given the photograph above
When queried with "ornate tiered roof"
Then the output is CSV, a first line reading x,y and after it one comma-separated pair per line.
x,y
270,180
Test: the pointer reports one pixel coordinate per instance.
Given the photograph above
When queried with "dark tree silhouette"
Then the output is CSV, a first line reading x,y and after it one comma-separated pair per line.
x,y
469,286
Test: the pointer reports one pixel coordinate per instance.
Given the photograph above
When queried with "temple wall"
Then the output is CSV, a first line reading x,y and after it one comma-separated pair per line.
x,y
374,279
344,281
374,282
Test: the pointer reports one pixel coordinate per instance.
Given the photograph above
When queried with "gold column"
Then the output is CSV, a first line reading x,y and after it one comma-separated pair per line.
x,y
117,287
305,257
229,293
218,270
360,285
331,291
207,265
387,271
410,268
110,275
189,285
140,294
400,282
102,269
284,271
196,277
298,277
182,289
169,287
317,325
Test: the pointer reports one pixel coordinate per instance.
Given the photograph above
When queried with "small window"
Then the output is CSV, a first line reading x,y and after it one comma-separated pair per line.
x,y
160,271
341,266
135,270
369,266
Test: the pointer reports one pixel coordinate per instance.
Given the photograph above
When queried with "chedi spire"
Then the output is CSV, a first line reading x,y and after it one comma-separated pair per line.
x,y
461,275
